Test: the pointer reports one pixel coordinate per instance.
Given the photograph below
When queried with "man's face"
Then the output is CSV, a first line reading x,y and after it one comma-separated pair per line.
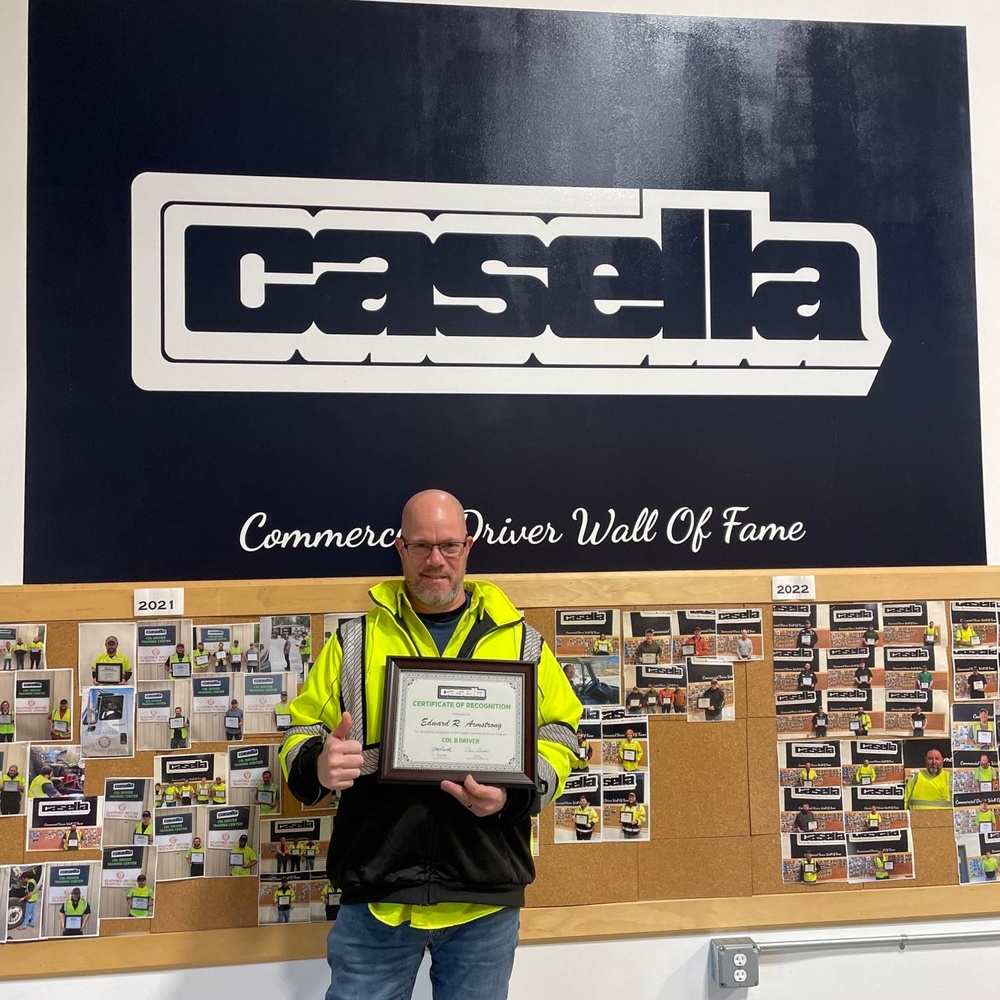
x,y
984,717
933,762
196,842
743,633
805,807
111,645
177,711
12,770
243,840
649,635
76,895
266,776
583,801
631,798
629,734
180,649
984,761
434,582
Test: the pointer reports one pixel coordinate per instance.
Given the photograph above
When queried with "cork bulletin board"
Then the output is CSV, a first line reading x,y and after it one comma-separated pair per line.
x,y
714,858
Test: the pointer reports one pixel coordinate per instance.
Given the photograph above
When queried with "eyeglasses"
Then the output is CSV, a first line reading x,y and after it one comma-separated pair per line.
x,y
421,550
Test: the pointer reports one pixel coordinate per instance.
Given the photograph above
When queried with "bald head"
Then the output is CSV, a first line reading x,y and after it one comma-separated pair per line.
x,y
433,507
434,548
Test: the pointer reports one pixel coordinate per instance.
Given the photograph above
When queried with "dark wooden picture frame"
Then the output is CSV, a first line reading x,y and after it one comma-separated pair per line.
x,y
462,671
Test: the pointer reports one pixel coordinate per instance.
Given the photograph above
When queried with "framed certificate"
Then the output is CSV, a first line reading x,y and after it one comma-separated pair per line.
x,y
648,658
855,727
251,657
310,852
978,685
687,649
445,719
984,786
176,723
925,685
265,796
140,839
984,737
889,865
865,780
704,703
237,657
283,721
918,723
236,860
181,669
628,755
11,786
284,900
73,922
6,720
806,639
109,673
807,680
807,783
809,869
201,660
139,902
625,817
197,857
873,824
811,825
986,827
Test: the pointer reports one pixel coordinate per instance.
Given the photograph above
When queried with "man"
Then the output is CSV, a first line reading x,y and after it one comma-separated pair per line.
x,y
965,634
929,788
187,792
203,791
881,872
716,701
989,865
634,702
236,656
30,900
112,656
873,819
680,700
42,786
584,753
61,722
986,818
601,646
242,859
649,701
584,819
171,795
178,664
699,642
985,774
467,880
178,730
286,650
266,795
808,637
632,817
809,869
808,776
865,774
71,838
201,657
649,650
219,791
919,722
665,699
807,678
330,895
630,751
11,791
142,836
820,721
74,914
283,896
932,634
140,898
20,652
744,646
869,637
282,714
295,851
35,648
976,683
983,734
805,820
253,657
309,852
233,721
195,858
221,655
863,677
305,652
925,680
861,724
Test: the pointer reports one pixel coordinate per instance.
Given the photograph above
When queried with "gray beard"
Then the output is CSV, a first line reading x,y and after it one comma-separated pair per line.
x,y
433,599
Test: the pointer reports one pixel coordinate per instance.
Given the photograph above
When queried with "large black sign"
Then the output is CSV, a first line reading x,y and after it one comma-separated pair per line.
x,y
644,292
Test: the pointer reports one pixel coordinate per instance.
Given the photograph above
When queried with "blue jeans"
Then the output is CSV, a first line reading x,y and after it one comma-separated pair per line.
x,y
29,913
369,959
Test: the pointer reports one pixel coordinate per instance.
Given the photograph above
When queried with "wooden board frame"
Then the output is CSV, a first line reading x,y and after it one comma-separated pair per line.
x,y
623,902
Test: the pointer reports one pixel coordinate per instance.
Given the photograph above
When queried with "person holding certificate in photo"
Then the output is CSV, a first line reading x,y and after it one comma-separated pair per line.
x,y
140,898
412,859
74,914
111,667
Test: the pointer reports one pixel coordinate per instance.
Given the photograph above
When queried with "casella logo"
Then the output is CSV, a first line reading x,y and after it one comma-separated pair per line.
x,y
383,286
462,693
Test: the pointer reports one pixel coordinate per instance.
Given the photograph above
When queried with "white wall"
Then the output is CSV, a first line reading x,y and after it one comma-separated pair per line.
x,y
652,968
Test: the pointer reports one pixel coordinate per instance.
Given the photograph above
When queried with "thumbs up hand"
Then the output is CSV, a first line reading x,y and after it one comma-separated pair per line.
x,y
339,762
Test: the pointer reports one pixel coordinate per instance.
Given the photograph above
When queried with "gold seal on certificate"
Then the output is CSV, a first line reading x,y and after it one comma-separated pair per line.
x,y
445,719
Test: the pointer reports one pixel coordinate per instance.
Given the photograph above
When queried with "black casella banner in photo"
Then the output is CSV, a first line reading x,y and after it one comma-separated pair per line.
x,y
632,332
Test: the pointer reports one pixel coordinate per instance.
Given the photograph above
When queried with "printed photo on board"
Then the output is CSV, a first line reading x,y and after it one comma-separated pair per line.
x,y
577,812
107,654
128,882
255,777
128,812
808,859
284,899
232,842
181,838
107,722
974,771
266,702
588,646
64,824
22,647
44,706
287,640
25,887
72,898
14,770
163,714
214,718
163,650
297,847
711,691
626,812
191,779
927,763
881,856
652,681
